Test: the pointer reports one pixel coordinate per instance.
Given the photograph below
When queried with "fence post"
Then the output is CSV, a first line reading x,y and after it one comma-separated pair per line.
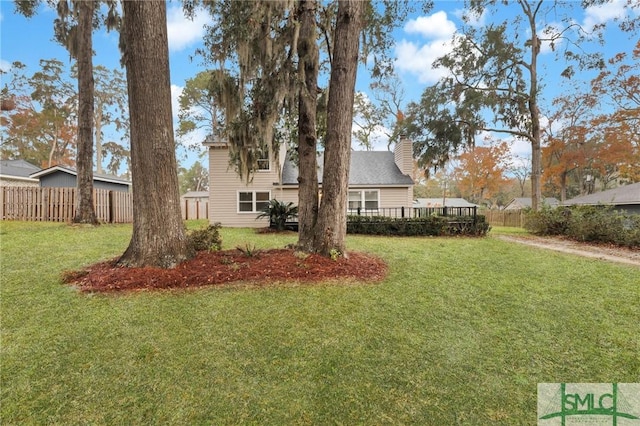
x,y
358,210
402,211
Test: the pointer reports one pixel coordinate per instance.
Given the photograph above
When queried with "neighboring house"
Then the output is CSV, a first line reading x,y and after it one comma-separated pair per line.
x,y
525,203
442,202
625,198
63,177
17,173
378,180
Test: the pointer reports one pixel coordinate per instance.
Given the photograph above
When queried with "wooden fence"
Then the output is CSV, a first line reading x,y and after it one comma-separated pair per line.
x,y
59,204
514,218
194,209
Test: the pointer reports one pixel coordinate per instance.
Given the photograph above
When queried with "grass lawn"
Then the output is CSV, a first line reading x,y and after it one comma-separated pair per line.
x,y
461,331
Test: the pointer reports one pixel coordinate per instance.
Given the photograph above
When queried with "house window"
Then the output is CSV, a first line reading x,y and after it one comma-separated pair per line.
x,y
263,161
252,201
361,199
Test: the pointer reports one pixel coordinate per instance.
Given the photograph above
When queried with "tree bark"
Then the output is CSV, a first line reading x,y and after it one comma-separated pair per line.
x,y
536,148
332,215
307,137
85,212
159,237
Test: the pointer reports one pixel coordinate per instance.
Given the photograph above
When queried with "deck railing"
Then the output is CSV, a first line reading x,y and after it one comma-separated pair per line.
x,y
467,215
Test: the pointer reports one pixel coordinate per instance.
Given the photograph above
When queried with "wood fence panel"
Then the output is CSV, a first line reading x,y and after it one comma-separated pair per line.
x,y
121,207
513,218
194,209
58,204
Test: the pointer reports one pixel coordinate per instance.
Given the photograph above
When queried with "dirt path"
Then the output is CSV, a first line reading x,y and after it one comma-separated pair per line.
x,y
609,253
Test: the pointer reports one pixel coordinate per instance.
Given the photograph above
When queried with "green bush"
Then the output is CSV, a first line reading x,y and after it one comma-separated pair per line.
x,y
428,225
208,238
597,224
548,221
278,213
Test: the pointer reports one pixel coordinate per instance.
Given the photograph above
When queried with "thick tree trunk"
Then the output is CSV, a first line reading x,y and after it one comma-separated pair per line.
x,y
307,156
85,212
331,228
159,237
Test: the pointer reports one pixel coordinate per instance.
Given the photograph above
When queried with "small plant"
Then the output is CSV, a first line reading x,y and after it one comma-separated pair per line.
x,y
248,250
279,213
226,261
300,254
206,238
335,254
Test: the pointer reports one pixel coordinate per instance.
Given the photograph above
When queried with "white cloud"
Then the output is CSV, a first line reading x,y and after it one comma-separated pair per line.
x,y
436,26
194,139
471,17
183,31
603,13
176,91
415,56
4,65
419,60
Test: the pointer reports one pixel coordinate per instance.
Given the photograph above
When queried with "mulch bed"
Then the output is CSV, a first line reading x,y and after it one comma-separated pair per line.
x,y
219,268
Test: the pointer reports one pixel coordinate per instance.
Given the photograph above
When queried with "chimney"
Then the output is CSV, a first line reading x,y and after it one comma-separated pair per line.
x,y
403,155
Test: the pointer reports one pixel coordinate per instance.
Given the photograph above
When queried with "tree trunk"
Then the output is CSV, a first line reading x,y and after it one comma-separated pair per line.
x,y
98,132
563,186
85,212
159,237
331,228
307,156
536,149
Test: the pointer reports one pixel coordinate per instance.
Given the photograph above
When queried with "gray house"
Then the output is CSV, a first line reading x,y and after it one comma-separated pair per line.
x,y
63,177
17,173
625,198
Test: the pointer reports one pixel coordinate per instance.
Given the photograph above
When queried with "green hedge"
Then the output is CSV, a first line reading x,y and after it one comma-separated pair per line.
x,y
430,225
598,224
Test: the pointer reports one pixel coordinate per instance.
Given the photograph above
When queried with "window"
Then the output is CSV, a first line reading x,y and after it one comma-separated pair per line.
x,y
252,201
367,200
263,161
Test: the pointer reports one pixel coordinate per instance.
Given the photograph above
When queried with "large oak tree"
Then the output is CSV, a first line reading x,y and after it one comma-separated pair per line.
x,y
159,237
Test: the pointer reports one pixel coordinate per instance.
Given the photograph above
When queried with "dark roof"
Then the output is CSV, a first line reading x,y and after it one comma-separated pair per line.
x,y
96,176
526,202
17,169
622,195
367,168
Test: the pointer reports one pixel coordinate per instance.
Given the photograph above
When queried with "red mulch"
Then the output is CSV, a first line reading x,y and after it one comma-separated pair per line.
x,y
231,266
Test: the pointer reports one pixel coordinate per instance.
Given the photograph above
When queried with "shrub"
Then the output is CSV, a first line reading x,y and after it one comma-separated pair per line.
x,y
601,224
206,238
548,221
279,213
598,224
428,225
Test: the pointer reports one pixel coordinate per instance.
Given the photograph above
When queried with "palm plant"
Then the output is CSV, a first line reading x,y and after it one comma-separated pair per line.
x,y
278,213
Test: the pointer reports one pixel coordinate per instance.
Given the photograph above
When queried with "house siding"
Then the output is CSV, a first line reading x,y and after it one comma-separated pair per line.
x,y
224,184
403,156
65,180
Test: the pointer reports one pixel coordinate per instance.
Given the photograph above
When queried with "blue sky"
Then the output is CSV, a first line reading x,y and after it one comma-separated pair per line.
x,y
419,41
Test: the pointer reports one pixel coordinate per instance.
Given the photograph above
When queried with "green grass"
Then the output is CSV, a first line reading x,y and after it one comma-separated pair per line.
x,y
461,331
